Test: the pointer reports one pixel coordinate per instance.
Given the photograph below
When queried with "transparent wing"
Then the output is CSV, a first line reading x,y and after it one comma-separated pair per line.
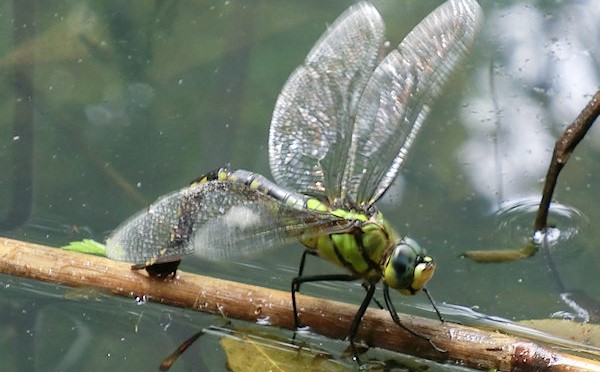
x,y
313,117
216,220
398,96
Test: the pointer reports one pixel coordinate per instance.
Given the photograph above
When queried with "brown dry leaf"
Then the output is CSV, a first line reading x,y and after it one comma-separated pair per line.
x,y
247,353
585,333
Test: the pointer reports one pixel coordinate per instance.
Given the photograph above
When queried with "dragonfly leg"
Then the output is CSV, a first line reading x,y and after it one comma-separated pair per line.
x,y
396,319
370,287
433,305
297,281
303,261
365,285
296,286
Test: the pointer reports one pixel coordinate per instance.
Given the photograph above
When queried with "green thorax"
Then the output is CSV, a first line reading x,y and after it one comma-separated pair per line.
x,y
362,248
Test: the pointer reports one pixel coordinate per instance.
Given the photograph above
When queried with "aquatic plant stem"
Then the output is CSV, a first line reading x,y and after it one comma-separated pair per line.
x,y
465,345
564,147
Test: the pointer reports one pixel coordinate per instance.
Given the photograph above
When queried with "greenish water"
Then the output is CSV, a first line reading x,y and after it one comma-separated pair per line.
x,y
105,106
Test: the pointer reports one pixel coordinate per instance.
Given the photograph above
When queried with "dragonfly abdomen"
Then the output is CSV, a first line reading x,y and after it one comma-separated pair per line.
x,y
260,183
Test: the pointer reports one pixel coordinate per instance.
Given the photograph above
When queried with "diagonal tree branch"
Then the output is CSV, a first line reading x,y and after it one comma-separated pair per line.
x,y
564,147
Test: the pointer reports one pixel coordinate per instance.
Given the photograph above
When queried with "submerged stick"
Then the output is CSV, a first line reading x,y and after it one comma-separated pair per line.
x,y
465,345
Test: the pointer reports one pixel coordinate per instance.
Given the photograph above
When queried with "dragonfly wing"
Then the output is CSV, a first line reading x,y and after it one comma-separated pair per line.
x,y
399,94
313,117
215,220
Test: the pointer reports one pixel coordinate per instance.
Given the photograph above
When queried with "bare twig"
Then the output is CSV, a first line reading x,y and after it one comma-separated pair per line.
x,y
563,149
465,345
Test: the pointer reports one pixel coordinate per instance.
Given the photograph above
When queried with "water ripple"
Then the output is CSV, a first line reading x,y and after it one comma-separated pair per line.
x,y
515,220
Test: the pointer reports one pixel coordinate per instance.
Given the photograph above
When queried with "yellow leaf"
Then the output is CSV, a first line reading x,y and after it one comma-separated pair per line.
x,y
255,353
585,333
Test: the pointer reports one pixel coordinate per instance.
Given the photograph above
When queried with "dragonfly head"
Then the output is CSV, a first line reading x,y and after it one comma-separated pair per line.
x,y
408,268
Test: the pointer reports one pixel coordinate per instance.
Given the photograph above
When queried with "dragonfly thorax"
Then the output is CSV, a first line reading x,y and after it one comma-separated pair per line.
x,y
408,268
361,246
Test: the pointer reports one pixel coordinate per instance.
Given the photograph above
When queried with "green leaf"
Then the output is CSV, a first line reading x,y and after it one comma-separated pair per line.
x,y
87,246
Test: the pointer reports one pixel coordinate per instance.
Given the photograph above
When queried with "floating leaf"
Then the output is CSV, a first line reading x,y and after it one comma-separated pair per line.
x,y
585,333
253,353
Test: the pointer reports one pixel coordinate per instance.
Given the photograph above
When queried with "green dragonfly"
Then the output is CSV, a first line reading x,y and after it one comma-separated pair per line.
x,y
341,130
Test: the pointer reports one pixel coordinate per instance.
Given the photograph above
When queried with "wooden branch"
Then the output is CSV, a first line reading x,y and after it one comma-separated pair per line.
x,y
565,145
465,345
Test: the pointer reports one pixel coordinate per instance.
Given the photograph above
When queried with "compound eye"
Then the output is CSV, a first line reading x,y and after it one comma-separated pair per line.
x,y
404,260
408,269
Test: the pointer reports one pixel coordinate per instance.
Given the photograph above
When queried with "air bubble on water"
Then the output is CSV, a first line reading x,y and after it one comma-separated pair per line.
x,y
141,300
303,329
263,320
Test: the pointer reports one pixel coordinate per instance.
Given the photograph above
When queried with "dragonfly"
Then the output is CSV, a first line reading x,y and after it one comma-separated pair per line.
x,y
341,130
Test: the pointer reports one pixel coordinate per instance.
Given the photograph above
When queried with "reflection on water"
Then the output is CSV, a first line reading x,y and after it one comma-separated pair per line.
x,y
549,241
540,76
515,221
545,331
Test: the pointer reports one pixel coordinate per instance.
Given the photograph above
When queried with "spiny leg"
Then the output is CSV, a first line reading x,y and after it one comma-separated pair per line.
x,y
303,261
297,281
433,304
396,319
296,286
369,287
359,315
365,285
